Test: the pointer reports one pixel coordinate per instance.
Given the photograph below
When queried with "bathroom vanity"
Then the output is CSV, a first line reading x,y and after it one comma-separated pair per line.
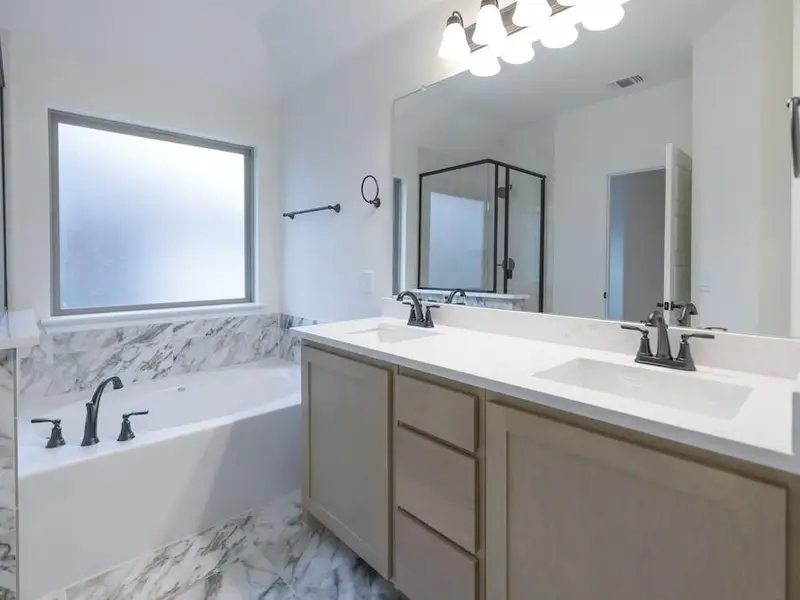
x,y
468,465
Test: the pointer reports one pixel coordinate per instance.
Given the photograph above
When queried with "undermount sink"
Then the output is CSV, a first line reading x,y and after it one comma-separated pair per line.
x,y
391,334
676,390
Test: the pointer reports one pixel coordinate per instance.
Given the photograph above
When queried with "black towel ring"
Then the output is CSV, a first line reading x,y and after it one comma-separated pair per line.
x,y
376,201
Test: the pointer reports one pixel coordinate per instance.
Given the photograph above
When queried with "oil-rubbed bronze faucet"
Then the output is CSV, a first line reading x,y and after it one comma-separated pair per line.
x,y
93,410
419,317
663,356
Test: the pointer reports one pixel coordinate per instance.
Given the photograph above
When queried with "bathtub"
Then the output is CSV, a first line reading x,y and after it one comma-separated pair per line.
x,y
215,445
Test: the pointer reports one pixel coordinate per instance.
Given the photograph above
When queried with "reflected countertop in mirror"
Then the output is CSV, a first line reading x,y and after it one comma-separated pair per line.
x,y
653,182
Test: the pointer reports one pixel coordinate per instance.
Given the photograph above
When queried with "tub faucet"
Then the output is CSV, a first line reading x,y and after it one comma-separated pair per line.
x,y
93,410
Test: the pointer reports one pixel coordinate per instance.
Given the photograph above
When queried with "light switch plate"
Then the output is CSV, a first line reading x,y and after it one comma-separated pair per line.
x,y
368,282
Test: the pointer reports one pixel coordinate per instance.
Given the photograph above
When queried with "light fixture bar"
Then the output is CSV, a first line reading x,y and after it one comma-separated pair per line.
x,y
508,13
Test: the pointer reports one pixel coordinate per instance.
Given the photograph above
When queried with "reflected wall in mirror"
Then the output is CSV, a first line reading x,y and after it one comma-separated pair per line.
x,y
665,147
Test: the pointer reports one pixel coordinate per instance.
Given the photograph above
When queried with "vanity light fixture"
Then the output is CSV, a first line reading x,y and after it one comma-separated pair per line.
x,y
532,13
484,63
509,33
518,49
601,14
454,41
490,29
559,34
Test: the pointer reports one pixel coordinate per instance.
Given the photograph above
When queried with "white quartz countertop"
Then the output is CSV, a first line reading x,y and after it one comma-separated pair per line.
x,y
18,329
763,431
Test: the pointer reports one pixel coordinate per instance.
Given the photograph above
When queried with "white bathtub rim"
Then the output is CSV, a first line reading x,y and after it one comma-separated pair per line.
x,y
35,460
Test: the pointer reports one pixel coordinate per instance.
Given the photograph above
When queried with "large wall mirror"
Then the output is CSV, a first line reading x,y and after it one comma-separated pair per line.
x,y
645,164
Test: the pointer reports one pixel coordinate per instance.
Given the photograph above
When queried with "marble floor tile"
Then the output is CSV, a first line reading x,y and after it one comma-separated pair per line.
x,y
252,578
317,565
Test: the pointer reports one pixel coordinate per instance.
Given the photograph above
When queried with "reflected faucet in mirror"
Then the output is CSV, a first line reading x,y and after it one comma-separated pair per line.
x,y
93,411
454,293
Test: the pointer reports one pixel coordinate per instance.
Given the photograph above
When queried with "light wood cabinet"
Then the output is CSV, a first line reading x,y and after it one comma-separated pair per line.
x,y
458,494
574,514
346,410
438,486
428,567
446,414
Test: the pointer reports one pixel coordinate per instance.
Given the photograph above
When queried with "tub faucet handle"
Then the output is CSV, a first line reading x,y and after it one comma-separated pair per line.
x,y
126,431
56,435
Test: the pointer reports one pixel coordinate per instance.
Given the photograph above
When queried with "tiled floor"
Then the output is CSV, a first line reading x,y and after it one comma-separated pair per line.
x,y
297,564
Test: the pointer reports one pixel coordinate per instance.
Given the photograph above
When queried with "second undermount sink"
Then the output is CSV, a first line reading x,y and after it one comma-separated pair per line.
x,y
390,334
681,391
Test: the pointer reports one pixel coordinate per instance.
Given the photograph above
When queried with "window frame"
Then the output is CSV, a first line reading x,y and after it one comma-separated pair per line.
x,y
56,118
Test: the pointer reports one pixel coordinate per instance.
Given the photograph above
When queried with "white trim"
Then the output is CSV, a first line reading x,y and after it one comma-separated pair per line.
x,y
162,315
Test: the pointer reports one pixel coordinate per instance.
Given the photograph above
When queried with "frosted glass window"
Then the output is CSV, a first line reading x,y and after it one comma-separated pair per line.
x,y
147,219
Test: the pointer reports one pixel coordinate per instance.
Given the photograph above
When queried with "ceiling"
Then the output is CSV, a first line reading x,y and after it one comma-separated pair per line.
x,y
309,36
654,41
256,47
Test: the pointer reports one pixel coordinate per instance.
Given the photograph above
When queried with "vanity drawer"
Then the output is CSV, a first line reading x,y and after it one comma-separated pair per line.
x,y
441,412
427,567
437,485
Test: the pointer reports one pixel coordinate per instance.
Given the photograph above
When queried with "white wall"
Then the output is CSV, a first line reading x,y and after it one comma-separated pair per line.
x,y
55,75
623,135
741,187
336,130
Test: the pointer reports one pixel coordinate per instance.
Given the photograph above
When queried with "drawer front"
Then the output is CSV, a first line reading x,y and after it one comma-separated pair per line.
x,y
437,485
438,411
428,567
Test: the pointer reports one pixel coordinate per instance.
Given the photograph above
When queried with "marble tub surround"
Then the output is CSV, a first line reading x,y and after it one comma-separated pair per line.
x,y
175,568
765,429
290,342
270,554
8,489
478,299
65,362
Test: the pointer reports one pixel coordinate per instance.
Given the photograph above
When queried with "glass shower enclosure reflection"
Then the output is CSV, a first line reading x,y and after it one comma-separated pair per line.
x,y
481,229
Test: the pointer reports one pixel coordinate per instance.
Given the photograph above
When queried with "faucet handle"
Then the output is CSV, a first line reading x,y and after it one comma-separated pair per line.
x,y
136,414
699,336
126,431
644,343
413,316
641,330
685,352
428,317
56,435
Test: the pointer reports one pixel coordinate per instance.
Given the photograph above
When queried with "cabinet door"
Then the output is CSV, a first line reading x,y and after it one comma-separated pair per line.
x,y
573,514
346,422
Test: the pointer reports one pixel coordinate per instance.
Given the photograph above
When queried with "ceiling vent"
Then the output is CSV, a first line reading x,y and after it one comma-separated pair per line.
x,y
627,82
